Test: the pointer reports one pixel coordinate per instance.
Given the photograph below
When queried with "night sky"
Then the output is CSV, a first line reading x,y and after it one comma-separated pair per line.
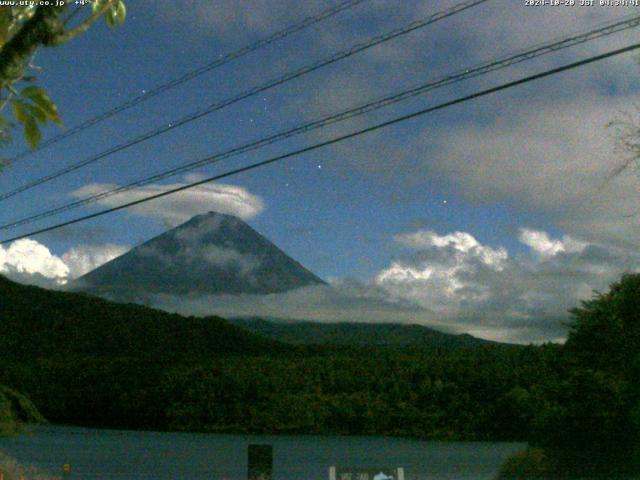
x,y
491,217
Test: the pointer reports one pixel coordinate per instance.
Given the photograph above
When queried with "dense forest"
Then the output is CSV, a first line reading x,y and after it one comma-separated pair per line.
x,y
438,395
588,424
87,361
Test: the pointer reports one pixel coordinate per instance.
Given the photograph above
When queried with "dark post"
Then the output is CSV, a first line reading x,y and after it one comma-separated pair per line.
x,y
260,462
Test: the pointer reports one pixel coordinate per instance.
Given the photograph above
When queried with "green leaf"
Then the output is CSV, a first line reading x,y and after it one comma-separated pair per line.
x,y
33,91
32,132
38,113
97,5
20,111
41,100
5,23
110,17
121,12
52,114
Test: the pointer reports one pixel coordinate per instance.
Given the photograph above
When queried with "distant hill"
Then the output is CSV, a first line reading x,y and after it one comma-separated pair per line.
x,y
356,334
89,361
39,323
210,254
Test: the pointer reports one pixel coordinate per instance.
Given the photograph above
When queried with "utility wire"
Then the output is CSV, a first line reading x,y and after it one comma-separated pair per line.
x,y
337,139
223,60
249,93
481,69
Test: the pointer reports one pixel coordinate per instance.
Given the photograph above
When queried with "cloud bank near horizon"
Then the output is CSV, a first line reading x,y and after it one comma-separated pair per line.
x,y
451,282
448,281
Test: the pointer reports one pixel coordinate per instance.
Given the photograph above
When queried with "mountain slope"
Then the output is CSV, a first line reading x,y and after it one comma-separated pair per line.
x,y
210,254
39,323
357,334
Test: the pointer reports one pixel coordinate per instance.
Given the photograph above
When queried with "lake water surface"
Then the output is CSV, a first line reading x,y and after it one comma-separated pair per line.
x,y
119,455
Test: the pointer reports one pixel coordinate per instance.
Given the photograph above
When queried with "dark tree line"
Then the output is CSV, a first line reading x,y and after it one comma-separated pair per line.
x,y
588,423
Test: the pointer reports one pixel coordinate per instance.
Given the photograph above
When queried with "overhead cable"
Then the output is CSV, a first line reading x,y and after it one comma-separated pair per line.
x,y
472,72
222,60
334,140
248,93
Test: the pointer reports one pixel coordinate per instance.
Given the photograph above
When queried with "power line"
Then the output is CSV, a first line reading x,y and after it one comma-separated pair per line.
x,y
481,69
249,93
223,60
338,139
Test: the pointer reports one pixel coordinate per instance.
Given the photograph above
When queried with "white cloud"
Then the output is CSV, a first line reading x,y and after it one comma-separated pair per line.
x,y
546,247
27,258
460,242
540,242
438,272
551,159
485,291
84,258
28,261
180,207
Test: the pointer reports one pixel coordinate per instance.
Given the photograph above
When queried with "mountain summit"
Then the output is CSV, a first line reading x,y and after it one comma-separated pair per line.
x,y
210,254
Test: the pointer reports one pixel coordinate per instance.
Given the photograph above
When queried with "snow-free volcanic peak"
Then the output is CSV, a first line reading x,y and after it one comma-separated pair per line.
x,y
210,254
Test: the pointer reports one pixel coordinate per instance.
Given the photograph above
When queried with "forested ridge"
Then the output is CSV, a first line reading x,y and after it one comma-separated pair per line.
x,y
38,323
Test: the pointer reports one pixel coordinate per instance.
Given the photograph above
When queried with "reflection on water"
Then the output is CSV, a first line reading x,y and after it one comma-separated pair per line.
x,y
119,455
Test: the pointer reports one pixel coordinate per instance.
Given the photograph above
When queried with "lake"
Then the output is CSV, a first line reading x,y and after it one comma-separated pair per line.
x,y
119,455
